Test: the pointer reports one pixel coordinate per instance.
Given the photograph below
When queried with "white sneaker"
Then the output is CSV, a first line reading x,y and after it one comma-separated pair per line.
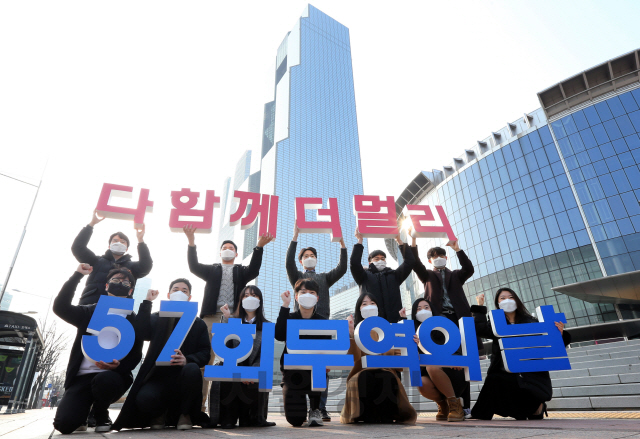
x,y
83,427
157,423
315,418
184,423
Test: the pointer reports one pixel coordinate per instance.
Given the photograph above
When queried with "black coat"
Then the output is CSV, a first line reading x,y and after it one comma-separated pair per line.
x,y
538,383
281,329
212,275
196,348
383,285
432,281
79,316
97,280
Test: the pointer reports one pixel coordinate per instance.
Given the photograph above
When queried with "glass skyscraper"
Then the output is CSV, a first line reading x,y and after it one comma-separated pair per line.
x,y
310,145
549,203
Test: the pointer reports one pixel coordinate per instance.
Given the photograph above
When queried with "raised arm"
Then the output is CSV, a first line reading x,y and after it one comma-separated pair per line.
x,y
253,269
357,271
419,269
62,307
336,274
483,325
281,322
404,270
466,267
290,263
143,325
79,247
144,264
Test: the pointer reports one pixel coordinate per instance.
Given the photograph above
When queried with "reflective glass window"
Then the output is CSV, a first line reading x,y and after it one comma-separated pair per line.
x,y
615,106
600,134
580,120
611,127
630,203
625,126
600,167
604,211
607,185
628,102
617,206
552,153
620,179
618,264
588,139
591,214
592,116
634,176
603,111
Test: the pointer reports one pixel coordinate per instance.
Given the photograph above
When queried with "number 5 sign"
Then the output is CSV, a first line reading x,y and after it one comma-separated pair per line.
x,y
113,335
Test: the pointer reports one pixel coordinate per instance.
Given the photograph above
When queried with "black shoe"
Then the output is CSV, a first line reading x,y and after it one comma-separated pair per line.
x,y
103,422
265,424
91,420
541,415
228,426
325,415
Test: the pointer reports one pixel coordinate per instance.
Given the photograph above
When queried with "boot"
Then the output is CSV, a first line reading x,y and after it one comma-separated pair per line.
x,y
456,412
443,410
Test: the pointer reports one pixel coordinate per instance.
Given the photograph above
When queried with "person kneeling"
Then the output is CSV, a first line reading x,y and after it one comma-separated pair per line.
x,y
442,385
296,384
167,395
516,395
373,395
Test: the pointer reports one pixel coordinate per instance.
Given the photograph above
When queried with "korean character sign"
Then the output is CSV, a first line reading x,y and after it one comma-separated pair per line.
x,y
427,225
107,210
318,355
375,218
531,347
201,219
328,220
260,206
244,335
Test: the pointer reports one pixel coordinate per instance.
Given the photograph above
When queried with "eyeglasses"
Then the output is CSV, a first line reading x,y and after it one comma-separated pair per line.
x,y
124,282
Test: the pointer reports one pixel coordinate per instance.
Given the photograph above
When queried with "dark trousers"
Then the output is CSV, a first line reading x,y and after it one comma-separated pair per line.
x,y
323,397
296,385
100,389
378,393
501,395
174,388
243,402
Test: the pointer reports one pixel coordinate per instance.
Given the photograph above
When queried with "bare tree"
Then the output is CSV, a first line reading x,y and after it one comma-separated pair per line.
x,y
54,342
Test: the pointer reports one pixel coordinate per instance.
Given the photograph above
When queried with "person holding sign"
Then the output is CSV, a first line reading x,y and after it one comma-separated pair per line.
x,y
373,395
168,392
116,256
442,385
97,383
223,282
233,401
516,395
380,281
296,384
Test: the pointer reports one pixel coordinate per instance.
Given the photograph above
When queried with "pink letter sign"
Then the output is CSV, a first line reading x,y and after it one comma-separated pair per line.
x,y
114,190
375,218
328,220
434,228
186,209
267,209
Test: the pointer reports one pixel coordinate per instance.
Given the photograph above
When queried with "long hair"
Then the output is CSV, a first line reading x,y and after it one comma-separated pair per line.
x,y
414,310
357,315
242,313
522,314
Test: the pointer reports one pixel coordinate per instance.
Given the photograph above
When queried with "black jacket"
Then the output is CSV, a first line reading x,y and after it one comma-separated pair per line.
x,y
325,280
385,284
538,383
151,327
97,280
79,316
212,275
432,281
281,329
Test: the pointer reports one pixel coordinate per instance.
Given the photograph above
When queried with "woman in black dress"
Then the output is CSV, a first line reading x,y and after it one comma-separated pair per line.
x,y
517,395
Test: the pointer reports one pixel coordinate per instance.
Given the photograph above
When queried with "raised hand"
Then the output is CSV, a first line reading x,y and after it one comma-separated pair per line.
x,y
560,326
265,239
398,240
454,245
359,236
416,338
403,313
286,299
351,325
84,269
342,244
152,294
190,231
225,311
413,238
480,299
95,219
140,234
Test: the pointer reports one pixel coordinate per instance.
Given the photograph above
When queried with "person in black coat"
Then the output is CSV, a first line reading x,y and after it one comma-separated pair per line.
x,y
114,257
223,282
233,401
167,395
89,383
296,384
517,395
379,280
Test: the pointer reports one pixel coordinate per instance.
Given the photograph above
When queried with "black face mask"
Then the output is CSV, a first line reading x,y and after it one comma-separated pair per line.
x,y
119,290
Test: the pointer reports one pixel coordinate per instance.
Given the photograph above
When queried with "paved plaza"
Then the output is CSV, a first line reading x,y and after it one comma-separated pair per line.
x,y
36,424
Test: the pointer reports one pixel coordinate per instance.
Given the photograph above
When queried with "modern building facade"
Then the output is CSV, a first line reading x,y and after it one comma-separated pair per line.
x,y
310,145
549,203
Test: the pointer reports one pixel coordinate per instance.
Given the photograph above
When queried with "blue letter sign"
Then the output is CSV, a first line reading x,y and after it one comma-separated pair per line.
x,y
186,311
113,335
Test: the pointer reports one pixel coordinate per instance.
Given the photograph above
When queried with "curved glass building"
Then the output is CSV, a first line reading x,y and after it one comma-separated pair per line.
x,y
548,205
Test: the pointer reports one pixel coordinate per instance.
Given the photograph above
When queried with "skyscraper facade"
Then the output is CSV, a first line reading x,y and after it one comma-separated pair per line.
x,y
310,145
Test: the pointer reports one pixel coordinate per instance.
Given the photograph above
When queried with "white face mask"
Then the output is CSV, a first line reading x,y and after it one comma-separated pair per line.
x,y
439,262
423,315
380,265
309,262
228,255
307,300
508,305
118,248
178,296
250,303
369,311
